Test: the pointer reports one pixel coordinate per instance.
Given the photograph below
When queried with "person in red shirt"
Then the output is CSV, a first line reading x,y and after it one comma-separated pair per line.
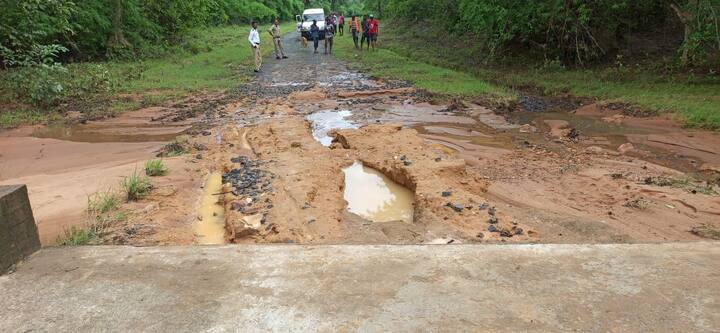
x,y
373,26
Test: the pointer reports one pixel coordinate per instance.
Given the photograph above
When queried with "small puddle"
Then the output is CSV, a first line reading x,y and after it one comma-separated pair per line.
x,y
110,133
210,229
374,196
325,121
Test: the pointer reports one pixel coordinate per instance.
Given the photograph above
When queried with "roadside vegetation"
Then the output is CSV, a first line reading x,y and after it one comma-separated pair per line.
x,y
103,210
136,186
101,59
656,56
386,63
154,168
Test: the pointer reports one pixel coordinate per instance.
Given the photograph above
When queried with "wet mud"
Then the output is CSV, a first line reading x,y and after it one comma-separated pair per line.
x,y
312,152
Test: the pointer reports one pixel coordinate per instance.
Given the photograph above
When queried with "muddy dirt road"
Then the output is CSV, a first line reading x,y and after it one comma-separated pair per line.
x,y
313,152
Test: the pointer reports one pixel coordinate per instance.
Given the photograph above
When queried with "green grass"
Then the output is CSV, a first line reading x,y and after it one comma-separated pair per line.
x,y
218,58
697,104
155,168
23,116
136,186
387,64
695,101
210,60
102,214
102,202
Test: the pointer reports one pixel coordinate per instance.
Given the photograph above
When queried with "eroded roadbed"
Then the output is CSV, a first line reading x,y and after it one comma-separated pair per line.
x,y
558,288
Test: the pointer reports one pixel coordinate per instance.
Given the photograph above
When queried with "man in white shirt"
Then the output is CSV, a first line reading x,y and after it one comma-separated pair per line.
x,y
254,39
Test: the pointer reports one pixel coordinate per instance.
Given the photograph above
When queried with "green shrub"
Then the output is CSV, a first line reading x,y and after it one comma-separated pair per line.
x,y
155,168
102,202
75,236
136,186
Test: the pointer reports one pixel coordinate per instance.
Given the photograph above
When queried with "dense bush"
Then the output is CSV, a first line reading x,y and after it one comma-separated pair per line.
x,y
91,29
573,31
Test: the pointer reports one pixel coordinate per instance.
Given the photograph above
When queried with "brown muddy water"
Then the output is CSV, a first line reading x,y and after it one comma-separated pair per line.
x,y
210,227
114,133
375,197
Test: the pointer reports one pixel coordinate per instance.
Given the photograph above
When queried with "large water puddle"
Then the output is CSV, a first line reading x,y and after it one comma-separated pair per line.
x,y
375,197
325,121
210,229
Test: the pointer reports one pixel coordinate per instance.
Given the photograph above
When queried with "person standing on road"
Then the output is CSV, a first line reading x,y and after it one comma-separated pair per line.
x,y
365,32
373,26
354,29
315,35
341,24
275,34
329,35
254,39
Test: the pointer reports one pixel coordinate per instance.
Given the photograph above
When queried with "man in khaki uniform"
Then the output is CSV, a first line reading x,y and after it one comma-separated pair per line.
x,y
254,40
275,33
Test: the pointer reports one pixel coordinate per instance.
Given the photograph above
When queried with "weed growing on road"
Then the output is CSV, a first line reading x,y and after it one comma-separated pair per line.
x,y
136,186
102,202
155,168
75,236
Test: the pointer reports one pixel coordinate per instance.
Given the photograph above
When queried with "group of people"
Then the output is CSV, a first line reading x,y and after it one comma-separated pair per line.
x,y
363,32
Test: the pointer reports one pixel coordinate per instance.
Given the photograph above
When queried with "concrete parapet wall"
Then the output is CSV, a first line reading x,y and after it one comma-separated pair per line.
x,y
18,232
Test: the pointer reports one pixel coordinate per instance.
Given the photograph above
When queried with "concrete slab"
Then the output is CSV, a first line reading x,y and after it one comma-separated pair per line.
x,y
597,288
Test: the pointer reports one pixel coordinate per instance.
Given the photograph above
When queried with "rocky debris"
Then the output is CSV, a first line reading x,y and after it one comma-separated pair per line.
x,y
446,194
483,206
199,146
492,228
456,207
527,128
625,148
639,203
248,180
493,220
573,134
406,161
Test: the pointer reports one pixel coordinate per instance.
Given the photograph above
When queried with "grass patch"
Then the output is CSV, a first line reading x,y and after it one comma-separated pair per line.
x,y
693,99
155,168
387,64
686,183
209,60
136,186
15,118
102,202
102,212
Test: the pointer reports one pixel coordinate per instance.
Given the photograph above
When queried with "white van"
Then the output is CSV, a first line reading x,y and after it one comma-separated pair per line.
x,y
306,20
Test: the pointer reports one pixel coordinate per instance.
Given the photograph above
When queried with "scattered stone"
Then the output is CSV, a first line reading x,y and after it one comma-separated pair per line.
x,y
198,157
505,233
527,128
456,207
480,235
199,146
616,176
407,162
573,134
484,206
639,203
438,159
493,220
206,133
625,148
446,194
518,231
311,221
491,211
295,144
492,228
